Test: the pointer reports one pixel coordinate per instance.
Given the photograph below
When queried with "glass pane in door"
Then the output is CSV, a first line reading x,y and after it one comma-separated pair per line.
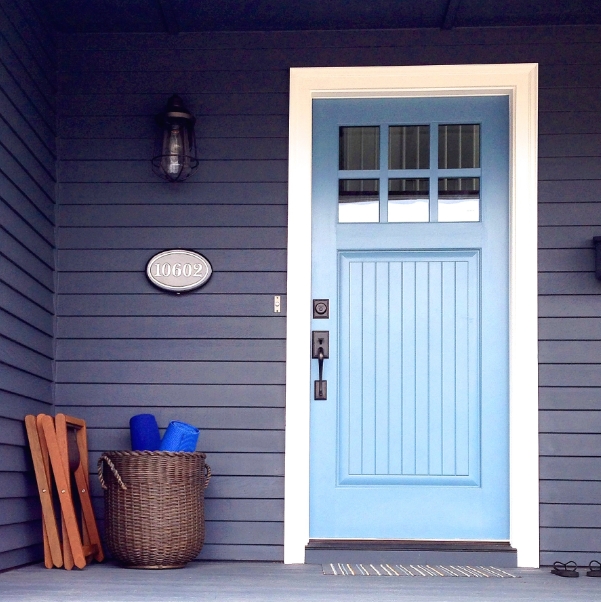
x,y
409,147
458,199
358,201
359,148
408,199
458,146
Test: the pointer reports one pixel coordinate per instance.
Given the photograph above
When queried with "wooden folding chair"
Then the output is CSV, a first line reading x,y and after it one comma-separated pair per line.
x,y
49,443
52,546
91,539
63,485
66,549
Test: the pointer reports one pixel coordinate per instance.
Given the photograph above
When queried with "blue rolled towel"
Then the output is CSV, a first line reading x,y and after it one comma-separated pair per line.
x,y
144,432
180,437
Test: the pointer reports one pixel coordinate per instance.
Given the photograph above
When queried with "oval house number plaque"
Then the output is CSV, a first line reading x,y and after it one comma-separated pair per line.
x,y
178,270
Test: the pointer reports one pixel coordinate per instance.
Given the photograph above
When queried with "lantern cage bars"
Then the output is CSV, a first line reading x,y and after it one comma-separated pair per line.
x,y
175,157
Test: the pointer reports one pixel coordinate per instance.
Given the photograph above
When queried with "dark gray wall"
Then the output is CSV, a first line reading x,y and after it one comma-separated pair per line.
x,y
216,357
27,191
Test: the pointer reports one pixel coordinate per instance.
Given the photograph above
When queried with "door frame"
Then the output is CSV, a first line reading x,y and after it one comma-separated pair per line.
x,y
520,83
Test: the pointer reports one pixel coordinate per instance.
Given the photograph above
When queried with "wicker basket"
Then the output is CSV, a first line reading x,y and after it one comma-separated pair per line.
x,y
154,506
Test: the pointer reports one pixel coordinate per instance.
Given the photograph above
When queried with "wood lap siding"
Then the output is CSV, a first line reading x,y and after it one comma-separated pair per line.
x,y
216,357
569,314
27,203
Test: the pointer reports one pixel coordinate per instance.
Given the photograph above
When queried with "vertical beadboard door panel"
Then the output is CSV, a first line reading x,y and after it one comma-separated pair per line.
x,y
409,370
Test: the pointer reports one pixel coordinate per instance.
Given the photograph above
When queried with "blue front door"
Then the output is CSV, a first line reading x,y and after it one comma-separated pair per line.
x,y
410,245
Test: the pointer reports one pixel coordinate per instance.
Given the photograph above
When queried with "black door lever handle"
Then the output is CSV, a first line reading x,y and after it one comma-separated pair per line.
x,y
320,358
320,351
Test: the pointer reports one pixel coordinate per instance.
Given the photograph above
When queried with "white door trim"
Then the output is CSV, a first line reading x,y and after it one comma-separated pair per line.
x,y
520,83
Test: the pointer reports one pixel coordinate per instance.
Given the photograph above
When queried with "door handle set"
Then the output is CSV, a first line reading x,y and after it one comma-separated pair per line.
x,y
320,350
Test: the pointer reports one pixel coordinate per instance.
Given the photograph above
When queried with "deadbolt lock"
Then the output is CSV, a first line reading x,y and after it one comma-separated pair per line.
x,y
321,309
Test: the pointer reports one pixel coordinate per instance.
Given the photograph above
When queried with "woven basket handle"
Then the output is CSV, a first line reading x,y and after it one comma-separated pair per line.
x,y
207,476
104,458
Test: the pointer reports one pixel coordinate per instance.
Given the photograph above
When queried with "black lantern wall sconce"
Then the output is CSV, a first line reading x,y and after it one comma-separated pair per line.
x,y
175,146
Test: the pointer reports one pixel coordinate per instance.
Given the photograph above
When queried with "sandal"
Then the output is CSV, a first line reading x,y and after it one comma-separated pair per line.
x,y
566,569
594,569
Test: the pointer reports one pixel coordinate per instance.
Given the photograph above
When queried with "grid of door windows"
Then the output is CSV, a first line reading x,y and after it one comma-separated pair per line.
x,y
419,185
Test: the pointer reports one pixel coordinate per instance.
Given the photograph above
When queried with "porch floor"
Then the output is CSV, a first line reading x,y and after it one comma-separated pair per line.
x,y
271,582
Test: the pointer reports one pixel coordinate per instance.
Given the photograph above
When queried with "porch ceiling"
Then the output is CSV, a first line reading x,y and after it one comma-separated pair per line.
x,y
115,16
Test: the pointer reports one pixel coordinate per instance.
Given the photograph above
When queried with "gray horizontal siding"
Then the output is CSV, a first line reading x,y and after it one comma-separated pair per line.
x,y
581,352
256,260
570,492
20,535
27,202
15,458
221,215
241,103
194,193
25,323
137,82
567,397
569,306
25,555
211,440
12,432
567,191
137,283
571,540
557,467
109,151
570,445
565,260
172,350
220,551
575,329
123,347
211,126
160,238
247,419
140,171
561,515
282,58
17,485
14,407
171,372
161,305
149,395
182,327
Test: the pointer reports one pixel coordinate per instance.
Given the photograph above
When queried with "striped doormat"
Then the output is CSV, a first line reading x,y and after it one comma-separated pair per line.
x,y
413,570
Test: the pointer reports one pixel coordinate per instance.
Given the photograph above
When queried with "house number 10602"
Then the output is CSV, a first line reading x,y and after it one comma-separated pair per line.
x,y
164,269
178,270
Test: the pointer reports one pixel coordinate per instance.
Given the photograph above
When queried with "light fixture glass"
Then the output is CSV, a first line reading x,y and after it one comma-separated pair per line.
x,y
175,147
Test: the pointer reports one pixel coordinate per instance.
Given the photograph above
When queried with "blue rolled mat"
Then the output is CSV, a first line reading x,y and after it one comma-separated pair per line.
x,y
180,437
144,432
